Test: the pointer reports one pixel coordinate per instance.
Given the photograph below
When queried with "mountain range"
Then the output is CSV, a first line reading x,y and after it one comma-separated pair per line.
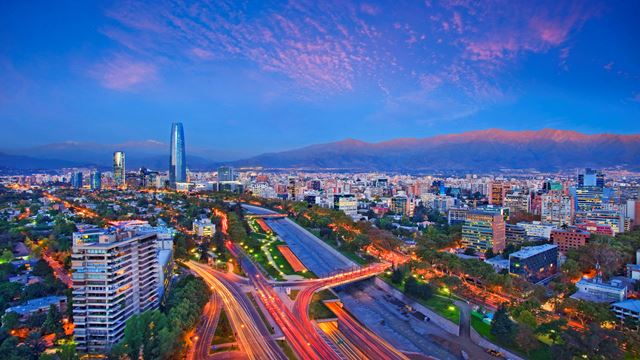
x,y
483,150
491,149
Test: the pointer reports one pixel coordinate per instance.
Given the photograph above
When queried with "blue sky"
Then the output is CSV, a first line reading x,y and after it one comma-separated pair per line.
x,y
259,76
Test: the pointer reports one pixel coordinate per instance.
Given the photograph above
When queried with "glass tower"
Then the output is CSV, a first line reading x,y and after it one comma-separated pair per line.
x,y
119,169
177,156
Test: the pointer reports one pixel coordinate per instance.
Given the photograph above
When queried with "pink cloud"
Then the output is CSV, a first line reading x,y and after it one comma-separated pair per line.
x,y
369,9
123,73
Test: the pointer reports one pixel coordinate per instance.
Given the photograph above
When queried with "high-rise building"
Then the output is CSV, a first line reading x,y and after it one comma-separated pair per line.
x,y
115,276
591,178
557,208
226,173
76,180
177,157
96,180
484,230
119,170
499,191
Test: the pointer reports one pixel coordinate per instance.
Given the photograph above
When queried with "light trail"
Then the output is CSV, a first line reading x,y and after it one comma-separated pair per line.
x,y
250,338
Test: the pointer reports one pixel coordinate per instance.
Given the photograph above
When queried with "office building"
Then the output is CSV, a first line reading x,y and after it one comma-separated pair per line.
x,y
569,238
598,290
515,234
498,192
557,209
204,227
517,202
627,313
115,276
346,203
177,156
96,180
226,173
537,229
534,263
591,178
603,218
76,180
119,169
483,231
402,205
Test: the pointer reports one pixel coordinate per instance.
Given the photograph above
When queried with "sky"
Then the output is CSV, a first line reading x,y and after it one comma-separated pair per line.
x,y
256,76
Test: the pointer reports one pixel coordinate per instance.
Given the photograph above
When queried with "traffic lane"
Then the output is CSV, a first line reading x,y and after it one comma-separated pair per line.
x,y
368,305
312,254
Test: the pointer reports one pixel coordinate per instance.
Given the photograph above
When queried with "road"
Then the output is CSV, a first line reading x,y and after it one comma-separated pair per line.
x,y
314,253
251,333
307,345
206,329
369,343
58,270
301,305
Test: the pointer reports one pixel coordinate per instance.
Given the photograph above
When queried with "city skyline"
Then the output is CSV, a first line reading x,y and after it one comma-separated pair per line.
x,y
314,73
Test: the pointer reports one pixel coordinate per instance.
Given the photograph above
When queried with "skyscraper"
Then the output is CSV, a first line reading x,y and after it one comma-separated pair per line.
x,y
177,156
119,169
76,180
226,173
96,180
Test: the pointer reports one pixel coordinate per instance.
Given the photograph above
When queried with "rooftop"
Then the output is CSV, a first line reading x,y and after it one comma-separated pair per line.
x,y
36,304
529,251
632,305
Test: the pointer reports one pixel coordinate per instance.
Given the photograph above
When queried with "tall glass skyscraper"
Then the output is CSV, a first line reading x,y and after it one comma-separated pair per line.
x,y
119,172
177,156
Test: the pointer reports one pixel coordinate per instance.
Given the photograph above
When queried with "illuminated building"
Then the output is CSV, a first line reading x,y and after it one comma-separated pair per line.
x,y
537,229
76,180
96,180
517,201
402,205
557,208
115,276
119,169
226,173
346,203
177,156
570,238
483,231
498,193
204,227
534,263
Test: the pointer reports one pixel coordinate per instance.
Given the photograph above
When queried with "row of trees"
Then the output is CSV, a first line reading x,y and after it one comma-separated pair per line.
x,y
158,334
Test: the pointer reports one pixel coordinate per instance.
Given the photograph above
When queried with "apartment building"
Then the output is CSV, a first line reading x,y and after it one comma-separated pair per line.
x,y
115,276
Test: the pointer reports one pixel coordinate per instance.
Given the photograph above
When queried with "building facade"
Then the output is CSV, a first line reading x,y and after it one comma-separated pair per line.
x,y
557,208
534,263
115,276
177,156
569,238
483,231
119,169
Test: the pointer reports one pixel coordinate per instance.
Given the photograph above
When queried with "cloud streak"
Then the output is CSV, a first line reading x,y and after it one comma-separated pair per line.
x,y
337,47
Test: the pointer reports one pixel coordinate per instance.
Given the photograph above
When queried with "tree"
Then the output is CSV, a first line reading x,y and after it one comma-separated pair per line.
x,y
53,323
553,329
396,276
6,257
10,320
470,251
526,339
501,325
411,285
527,318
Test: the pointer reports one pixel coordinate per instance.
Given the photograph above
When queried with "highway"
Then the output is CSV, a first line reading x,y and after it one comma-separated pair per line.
x,y
251,333
306,344
368,342
206,329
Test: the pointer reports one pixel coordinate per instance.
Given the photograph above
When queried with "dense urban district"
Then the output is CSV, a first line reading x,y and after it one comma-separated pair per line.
x,y
257,264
